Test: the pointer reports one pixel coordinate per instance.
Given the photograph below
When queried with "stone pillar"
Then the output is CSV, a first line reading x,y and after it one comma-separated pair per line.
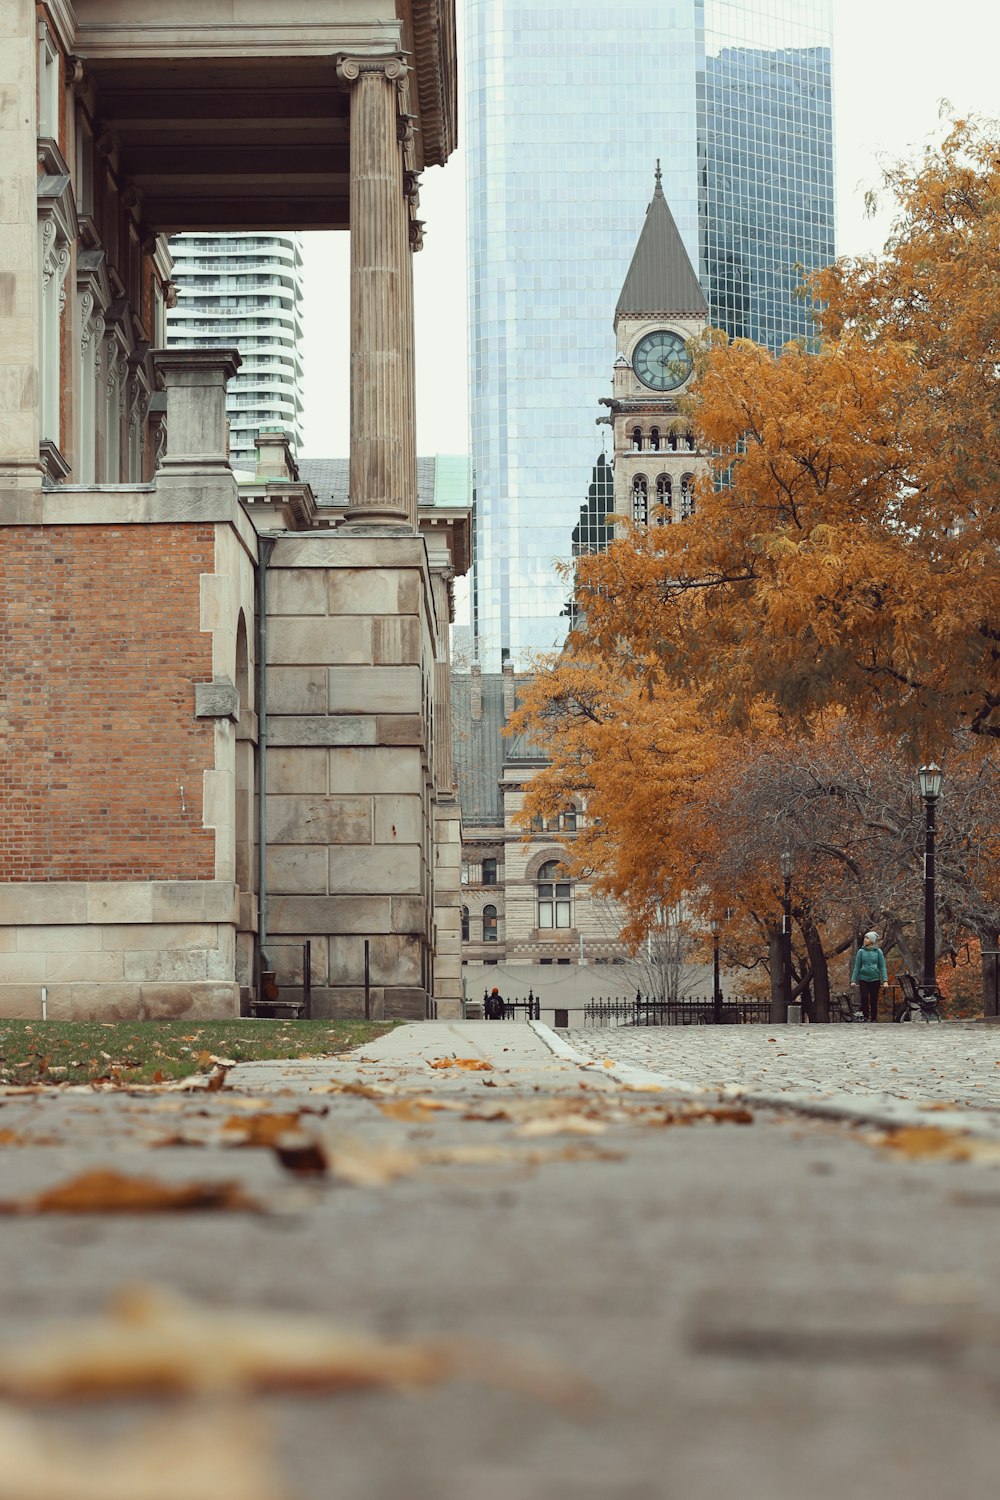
x,y
383,478
19,278
197,431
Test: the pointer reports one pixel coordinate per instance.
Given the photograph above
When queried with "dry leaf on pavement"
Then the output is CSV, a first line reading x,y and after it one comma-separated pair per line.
x,y
928,1143
568,1124
154,1342
103,1191
211,1455
469,1064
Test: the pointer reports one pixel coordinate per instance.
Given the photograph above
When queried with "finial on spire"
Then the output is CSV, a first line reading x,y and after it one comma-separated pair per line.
x,y
659,174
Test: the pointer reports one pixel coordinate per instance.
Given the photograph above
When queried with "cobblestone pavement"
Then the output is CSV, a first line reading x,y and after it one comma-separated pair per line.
x,y
947,1064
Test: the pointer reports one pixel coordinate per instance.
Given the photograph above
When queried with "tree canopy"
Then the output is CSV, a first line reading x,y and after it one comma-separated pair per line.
x,y
846,543
769,674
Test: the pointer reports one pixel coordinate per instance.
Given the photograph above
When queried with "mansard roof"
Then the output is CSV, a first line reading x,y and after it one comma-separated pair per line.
x,y
661,278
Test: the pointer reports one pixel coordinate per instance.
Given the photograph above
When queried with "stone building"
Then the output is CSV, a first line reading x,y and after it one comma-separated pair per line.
x,y
521,912
225,716
522,915
660,309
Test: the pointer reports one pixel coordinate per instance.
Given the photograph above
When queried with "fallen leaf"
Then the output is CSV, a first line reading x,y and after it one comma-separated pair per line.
x,y
108,1192
301,1155
569,1124
361,1090
259,1130
208,1455
929,1143
153,1342
413,1111
469,1064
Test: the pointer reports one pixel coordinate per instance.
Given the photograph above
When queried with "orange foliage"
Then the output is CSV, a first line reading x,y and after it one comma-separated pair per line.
x,y
845,548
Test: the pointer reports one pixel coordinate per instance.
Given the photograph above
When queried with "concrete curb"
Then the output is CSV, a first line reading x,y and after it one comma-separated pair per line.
x,y
631,1077
853,1109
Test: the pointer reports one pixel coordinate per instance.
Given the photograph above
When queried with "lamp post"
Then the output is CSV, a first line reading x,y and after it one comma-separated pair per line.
x,y
930,790
716,986
786,934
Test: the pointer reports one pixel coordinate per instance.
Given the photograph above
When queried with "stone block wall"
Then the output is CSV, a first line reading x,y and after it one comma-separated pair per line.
x,y
349,700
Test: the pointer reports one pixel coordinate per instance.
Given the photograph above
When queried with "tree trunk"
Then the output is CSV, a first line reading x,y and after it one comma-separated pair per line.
x,y
775,958
991,973
820,970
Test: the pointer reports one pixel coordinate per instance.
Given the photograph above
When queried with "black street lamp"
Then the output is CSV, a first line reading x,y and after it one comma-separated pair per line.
x,y
786,934
716,985
930,790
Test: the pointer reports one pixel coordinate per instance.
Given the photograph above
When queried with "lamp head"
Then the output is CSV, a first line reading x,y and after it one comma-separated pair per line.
x,y
930,781
786,865
713,927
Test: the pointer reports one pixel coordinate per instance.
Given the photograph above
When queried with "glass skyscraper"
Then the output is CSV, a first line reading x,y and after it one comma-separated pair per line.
x,y
569,106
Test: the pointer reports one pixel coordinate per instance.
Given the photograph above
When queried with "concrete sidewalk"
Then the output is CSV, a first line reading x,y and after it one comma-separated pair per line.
x,y
773,1309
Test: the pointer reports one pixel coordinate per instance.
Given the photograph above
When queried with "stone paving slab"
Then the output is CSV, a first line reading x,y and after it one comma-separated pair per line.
x,y
771,1310
931,1065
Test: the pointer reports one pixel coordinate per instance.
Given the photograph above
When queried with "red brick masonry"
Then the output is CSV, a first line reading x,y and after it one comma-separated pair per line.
x,y
101,757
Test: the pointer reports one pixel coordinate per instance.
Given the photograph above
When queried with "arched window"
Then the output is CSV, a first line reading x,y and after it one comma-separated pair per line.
x,y
665,499
636,439
552,824
489,872
569,820
654,439
489,924
465,924
689,441
687,496
673,442
640,499
555,897
537,823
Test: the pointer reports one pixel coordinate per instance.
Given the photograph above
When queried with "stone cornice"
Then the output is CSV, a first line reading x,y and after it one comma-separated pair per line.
x,y
62,18
430,31
279,38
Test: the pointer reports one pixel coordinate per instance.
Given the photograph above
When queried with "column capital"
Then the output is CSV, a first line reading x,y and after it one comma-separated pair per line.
x,y
350,68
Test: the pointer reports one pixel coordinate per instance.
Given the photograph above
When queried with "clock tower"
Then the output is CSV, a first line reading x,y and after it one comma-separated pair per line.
x,y
660,309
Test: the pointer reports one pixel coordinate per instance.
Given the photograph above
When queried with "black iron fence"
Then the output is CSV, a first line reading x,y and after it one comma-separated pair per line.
x,y
496,1008
693,1010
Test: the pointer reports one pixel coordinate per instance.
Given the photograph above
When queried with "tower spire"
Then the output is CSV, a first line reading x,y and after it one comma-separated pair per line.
x,y
661,278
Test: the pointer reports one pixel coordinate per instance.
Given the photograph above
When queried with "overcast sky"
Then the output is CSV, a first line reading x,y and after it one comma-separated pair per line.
x,y
894,62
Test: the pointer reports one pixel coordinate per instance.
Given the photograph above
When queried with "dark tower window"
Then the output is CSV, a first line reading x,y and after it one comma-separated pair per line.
x,y
665,499
489,924
636,439
489,872
640,499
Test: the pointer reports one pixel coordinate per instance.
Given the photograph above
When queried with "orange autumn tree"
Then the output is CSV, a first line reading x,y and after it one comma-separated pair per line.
x,y
845,547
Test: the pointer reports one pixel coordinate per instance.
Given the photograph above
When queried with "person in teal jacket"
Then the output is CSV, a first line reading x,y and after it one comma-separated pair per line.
x,y
869,974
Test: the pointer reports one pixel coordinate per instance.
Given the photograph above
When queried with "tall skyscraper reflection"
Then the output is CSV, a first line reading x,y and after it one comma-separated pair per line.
x,y
569,105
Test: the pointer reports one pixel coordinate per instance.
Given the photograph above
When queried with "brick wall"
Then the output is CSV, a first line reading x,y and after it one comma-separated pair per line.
x,y
101,758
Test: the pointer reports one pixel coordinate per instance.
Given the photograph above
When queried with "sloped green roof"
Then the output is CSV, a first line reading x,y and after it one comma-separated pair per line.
x,y
661,278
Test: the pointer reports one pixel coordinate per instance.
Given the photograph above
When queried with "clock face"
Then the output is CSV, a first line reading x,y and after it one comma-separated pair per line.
x,y
661,361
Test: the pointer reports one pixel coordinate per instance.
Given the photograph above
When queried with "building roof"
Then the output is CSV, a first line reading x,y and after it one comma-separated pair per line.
x,y
478,747
479,750
661,278
441,480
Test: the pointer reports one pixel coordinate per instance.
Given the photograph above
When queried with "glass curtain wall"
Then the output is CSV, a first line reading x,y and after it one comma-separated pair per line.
x,y
569,105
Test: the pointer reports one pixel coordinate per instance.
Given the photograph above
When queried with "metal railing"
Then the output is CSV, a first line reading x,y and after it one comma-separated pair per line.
x,y
693,1010
496,1008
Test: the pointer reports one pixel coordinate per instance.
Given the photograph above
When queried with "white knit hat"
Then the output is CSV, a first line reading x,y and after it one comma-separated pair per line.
x,y
872,935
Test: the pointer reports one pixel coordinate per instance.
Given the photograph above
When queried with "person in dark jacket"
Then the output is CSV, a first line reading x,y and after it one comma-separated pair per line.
x,y
869,974
493,1007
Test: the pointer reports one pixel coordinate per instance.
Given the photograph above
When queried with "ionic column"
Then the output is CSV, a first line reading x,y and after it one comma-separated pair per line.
x,y
383,477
